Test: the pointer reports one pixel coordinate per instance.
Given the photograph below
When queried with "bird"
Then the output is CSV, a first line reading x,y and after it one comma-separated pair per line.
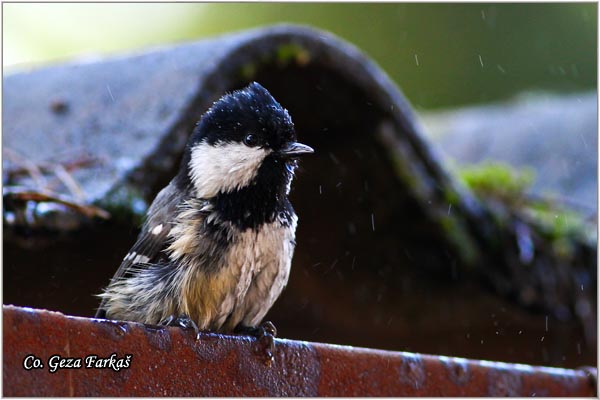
x,y
215,250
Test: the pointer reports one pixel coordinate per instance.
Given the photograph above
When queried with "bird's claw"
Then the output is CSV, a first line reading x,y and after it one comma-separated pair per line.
x,y
183,321
268,328
265,334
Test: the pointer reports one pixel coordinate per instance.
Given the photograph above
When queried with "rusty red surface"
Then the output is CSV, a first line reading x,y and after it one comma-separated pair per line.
x,y
170,362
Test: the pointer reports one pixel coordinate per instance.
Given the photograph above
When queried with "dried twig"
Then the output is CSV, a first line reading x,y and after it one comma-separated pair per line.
x,y
27,166
24,194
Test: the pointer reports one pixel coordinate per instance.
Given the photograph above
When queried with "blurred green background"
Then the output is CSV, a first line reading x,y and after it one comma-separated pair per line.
x,y
441,55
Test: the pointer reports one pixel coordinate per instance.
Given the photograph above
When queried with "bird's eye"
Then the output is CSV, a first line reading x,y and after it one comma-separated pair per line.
x,y
251,140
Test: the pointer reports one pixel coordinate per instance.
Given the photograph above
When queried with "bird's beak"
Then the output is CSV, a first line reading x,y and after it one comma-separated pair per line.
x,y
295,149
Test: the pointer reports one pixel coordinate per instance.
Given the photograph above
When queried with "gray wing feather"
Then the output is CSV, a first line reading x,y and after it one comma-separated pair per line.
x,y
151,242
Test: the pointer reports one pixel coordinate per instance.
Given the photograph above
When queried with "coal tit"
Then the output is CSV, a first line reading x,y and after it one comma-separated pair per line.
x,y
218,240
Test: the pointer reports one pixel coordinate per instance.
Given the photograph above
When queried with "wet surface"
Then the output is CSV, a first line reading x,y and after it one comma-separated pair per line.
x,y
221,365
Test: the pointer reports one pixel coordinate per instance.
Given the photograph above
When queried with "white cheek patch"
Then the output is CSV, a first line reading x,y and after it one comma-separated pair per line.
x,y
223,167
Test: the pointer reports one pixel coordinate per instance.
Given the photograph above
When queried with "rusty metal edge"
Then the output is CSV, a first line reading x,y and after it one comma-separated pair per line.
x,y
170,362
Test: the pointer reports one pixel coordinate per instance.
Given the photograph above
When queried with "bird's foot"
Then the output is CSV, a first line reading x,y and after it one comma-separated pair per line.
x,y
183,321
592,374
265,334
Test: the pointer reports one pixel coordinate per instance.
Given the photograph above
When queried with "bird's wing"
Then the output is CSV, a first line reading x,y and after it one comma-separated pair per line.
x,y
153,238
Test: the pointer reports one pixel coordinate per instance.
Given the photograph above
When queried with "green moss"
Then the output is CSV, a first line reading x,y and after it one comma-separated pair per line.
x,y
556,222
403,172
456,232
248,71
292,52
126,205
503,189
497,180
452,225
451,197
283,56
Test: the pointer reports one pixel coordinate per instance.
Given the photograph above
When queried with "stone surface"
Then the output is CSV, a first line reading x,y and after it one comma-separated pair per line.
x,y
134,113
556,136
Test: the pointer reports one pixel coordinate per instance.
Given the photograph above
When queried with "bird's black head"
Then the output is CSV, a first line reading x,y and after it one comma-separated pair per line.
x,y
250,116
246,139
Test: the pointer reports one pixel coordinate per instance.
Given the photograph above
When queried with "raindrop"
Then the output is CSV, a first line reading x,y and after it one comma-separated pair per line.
x,y
483,15
546,323
373,221
542,339
583,140
110,93
480,60
449,208
320,189
500,68
334,158
574,70
417,59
